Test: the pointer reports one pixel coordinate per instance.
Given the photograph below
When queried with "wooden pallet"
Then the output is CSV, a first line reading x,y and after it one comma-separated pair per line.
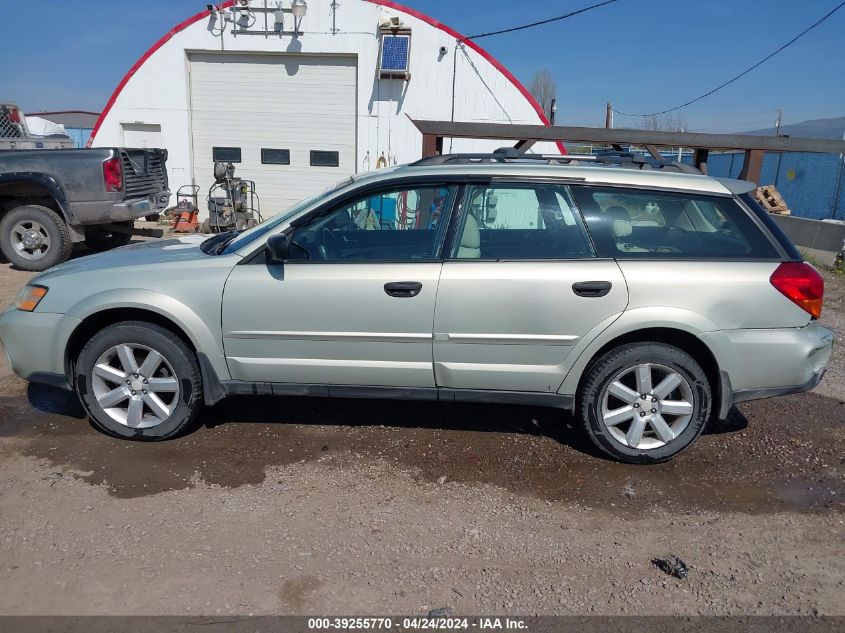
x,y
772,201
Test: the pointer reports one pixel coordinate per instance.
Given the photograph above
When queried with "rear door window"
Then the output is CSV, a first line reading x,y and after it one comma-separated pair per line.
x,y
632,223
520,221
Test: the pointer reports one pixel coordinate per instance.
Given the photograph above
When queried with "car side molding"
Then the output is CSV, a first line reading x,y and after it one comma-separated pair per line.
x,y
442,394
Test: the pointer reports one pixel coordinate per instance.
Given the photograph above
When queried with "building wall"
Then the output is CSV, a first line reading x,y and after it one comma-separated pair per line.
x,y
158,90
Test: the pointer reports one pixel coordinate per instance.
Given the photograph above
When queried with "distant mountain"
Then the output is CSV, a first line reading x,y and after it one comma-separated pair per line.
x,y
814,128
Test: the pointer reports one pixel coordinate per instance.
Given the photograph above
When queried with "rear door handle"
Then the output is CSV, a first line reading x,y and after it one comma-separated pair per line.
x,y
403,288
591,288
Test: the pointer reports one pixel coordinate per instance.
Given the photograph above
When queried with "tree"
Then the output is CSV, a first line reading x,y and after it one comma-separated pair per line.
x,y
544,89
663,123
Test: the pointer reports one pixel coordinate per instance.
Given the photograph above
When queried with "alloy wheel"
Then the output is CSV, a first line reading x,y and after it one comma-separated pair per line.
x,y
135,385
30,239
646,406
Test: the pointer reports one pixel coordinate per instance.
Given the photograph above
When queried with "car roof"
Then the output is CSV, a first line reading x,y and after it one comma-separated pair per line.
x,y
616,176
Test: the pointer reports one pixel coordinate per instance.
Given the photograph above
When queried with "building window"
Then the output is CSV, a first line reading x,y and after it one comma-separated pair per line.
x,y
226,154
325,159
275,156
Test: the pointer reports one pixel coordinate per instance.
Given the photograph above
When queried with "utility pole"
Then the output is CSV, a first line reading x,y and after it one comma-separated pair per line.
x,y
553,111
778,122
608,117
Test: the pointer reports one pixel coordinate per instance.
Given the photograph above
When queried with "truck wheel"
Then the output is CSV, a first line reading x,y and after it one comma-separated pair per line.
x,y
34,238
99,239
643,403
139,381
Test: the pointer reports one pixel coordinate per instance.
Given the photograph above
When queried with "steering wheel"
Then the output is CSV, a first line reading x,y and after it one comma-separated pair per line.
x,y
330,247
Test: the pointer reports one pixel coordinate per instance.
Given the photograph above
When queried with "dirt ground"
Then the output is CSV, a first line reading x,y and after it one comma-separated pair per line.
x,y
302,506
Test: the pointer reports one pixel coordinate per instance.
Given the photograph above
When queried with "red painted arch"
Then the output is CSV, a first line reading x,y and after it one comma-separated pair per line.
x,y
385,3
137,65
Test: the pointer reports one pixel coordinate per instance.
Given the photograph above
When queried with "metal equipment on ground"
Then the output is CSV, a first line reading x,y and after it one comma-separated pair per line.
x,y
232,202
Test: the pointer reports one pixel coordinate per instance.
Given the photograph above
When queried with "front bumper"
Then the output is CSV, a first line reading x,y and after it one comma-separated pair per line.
x,y
35,344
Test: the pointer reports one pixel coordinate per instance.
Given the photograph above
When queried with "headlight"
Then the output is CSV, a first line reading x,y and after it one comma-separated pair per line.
x,y
29,297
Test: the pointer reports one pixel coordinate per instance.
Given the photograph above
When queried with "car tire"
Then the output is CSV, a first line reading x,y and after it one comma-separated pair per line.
x,y
157,401
99,239
635,429
34,238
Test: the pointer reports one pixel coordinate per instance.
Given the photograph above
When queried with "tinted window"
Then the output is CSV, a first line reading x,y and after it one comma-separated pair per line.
x,y
226,154
520,222
638,223
394,225
275,156
774,227
325,159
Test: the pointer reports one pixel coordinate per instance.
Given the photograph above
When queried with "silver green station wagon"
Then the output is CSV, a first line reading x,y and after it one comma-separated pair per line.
x,y
640,299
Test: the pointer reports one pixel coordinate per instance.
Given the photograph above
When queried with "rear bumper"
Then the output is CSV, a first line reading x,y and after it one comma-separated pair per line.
x,y
105,211
744,395
766,363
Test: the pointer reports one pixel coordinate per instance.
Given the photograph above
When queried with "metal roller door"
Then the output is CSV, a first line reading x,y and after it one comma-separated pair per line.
x,y
287,105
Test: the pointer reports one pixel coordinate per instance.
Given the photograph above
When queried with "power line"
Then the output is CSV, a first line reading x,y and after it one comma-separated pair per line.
x,y
744,72
540,23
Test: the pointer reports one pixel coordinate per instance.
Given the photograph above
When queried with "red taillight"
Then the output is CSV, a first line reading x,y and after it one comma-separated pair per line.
x,y
113,174
801,284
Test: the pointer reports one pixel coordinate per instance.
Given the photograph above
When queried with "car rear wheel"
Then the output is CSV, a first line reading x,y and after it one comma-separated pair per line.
x,y
34,238
139,381
643,403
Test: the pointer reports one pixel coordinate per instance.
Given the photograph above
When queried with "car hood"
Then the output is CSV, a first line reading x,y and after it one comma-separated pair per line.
x,y
171,250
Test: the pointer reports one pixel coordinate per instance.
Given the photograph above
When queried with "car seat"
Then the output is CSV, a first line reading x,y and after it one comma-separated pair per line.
x,y
470,247
622,228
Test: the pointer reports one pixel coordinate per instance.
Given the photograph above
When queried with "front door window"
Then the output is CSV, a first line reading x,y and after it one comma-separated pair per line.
x,y
395,225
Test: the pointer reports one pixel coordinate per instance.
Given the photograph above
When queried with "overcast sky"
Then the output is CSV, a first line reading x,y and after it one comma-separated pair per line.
x,y
642,55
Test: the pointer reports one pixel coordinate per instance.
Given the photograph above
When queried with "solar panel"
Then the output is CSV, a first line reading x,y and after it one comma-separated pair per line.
x,y
394,53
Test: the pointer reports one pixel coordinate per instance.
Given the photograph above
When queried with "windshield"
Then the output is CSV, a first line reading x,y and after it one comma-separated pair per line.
x,y
265,227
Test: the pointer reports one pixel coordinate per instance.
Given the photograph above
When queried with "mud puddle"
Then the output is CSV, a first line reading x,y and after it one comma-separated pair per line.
x,y
769,455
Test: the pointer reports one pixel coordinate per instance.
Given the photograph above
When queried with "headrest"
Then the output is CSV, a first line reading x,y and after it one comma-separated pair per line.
x,y
472,236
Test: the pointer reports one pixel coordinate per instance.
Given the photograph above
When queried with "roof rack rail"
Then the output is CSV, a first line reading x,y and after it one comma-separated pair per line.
x,y
628,160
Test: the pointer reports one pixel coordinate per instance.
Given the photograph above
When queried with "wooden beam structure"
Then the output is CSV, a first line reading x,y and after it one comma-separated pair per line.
x,y
702,144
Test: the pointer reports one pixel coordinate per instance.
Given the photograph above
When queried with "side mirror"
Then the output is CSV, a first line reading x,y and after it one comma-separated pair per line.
x,y
277,249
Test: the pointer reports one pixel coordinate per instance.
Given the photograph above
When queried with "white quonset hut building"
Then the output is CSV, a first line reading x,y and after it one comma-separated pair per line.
x,y
299,102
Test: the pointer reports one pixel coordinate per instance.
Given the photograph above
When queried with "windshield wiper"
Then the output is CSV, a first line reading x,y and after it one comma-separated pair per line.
x,y
231,237
208,246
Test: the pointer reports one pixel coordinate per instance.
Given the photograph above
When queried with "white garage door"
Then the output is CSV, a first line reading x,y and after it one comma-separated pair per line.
x,y
290,119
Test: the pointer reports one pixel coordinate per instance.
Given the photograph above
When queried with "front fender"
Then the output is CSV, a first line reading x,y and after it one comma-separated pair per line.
x,y
631,321
200,335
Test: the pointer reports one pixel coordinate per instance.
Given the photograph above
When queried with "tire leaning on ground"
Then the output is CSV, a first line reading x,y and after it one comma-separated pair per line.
x,y
139,381
34,238
99,239
643,403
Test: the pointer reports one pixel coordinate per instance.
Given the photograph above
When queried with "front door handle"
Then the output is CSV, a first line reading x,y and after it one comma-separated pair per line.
x,y
403,289
591,288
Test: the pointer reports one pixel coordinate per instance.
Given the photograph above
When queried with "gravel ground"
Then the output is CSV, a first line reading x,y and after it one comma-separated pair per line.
x,y
312,507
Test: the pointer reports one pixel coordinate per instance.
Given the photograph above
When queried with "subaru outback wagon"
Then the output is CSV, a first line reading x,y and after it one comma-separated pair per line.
x,y
643,300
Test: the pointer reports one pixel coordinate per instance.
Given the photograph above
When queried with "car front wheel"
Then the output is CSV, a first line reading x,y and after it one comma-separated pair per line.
x,y
643,403
139,381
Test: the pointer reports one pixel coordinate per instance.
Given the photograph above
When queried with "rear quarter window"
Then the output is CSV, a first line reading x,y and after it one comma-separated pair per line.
x,y
634,223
